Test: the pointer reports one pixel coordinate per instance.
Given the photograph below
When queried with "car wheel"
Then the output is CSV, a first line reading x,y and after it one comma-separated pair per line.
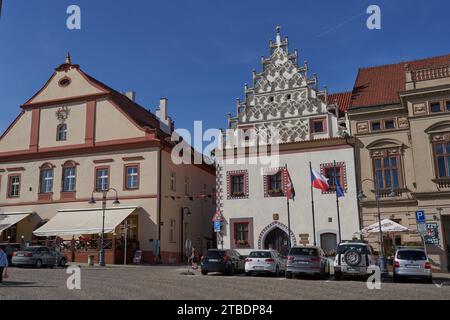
x,y
352,258
429,280
63,262
204,272
288,275
248,274
231,272
338,276
38,264
396,278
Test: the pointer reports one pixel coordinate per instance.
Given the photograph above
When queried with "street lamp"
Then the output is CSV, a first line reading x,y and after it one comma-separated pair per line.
x,y
101,258
184,211
392,194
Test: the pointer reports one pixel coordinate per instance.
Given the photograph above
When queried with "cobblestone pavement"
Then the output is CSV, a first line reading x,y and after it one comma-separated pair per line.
x,y
164,282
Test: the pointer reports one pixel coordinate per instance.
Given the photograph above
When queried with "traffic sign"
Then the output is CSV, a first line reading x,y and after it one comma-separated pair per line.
x,y
422,228
421,217
217,226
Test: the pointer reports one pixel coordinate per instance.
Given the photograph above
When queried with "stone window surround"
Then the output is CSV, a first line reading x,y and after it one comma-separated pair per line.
x,y
342,167
249,222
230,175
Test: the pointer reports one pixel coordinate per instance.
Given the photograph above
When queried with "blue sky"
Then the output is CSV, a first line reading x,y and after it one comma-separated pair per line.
x,y
199,53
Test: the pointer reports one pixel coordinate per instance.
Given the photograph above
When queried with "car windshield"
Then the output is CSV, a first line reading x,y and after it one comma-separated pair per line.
x,y
30,249
411,255
260,254
215,254
303,252
344,248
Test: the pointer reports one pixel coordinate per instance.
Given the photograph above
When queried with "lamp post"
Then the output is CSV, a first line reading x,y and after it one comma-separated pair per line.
x,y
101,257
184,211
361,196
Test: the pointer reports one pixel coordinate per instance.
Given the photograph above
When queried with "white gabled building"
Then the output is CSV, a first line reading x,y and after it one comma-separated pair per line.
x,y
311,128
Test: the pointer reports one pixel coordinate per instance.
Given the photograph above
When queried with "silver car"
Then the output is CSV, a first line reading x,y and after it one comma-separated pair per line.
x,y
38,256
307,260
265,261
412,263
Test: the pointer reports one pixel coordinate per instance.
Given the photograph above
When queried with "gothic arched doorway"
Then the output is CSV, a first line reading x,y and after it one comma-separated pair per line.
x,y
278,240
328,242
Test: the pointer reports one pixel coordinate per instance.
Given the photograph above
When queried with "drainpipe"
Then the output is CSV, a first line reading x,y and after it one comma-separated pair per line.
x,y
159,201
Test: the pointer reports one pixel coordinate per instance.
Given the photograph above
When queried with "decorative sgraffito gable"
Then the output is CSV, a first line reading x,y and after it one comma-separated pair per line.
x,y
283,98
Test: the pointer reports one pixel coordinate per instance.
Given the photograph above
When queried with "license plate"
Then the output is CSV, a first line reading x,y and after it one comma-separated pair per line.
x,y
351,270
412,266
258,268
20,255
302,262
213,260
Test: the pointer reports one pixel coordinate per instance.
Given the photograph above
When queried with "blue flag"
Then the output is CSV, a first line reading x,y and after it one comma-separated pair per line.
x,y
339,191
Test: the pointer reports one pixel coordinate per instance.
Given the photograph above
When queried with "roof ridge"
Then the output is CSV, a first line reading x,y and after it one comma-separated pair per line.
x,y
405,62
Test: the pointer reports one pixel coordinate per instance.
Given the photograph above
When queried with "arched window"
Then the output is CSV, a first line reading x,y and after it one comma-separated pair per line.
x,y
61,134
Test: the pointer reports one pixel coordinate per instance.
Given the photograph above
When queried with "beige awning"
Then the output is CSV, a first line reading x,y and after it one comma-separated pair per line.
x,y
7,220
84,221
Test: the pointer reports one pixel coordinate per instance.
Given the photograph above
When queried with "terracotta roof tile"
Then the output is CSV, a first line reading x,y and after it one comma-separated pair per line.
x,y
343,100
381,85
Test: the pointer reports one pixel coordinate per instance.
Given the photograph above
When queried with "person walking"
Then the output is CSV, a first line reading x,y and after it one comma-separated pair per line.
x,y
3,265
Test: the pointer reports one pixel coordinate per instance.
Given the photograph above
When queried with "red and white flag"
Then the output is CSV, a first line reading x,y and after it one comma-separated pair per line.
x,y
318,181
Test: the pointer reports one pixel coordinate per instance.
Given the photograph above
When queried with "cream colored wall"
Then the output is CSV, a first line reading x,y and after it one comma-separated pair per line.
x,y
200,222
111,124
85,175
18,138
76,126
78,87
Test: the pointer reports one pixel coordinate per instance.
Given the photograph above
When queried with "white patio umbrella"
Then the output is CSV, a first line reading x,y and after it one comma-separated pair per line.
x,y
387,226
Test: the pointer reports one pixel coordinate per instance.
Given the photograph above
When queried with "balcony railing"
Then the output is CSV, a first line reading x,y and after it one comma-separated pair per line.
x,y
431,74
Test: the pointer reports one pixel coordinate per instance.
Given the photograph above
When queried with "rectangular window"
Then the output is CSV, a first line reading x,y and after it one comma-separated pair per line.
x,y
318,126
69,179
389,124
102,179
376,125
46,181
442,159
14,187
131,177
334,175
241,233
172,231
275,183
173,181
237,185
387,172
435,107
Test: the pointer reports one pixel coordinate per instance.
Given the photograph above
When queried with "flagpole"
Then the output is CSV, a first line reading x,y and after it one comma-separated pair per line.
x,y
288,212
337,201
312,203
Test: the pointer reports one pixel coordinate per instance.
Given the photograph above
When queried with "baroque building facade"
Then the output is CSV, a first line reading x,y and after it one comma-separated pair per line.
x,y
76,138
299,126
400,117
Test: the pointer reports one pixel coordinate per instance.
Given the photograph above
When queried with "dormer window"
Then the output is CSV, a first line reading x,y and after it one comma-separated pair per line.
x,y
61,134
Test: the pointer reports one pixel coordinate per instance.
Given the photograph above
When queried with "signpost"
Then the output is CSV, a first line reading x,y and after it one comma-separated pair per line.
x,y
421,220
217,226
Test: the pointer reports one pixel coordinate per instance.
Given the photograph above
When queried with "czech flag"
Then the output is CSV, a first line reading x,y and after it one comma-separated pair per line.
x,y
318,181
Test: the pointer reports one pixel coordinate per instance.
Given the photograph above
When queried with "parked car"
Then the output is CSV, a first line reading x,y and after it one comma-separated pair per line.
x,y
265,261
412,263
38,257
353,259
224,261
10,248
307,260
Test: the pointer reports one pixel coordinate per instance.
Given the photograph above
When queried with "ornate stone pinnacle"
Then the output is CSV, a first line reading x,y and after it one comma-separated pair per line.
x,y
68,60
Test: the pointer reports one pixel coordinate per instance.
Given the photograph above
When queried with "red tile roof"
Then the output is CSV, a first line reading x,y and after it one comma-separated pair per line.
x,y
381,85
342,99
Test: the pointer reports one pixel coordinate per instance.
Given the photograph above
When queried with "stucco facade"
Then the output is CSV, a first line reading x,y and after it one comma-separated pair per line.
x,y
85,125
404,123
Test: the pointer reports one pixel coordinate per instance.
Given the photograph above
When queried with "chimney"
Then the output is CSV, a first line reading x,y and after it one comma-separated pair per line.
x,y
166,122
130,95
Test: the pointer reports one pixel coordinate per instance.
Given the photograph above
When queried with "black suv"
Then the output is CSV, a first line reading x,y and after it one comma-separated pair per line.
x,y
224,261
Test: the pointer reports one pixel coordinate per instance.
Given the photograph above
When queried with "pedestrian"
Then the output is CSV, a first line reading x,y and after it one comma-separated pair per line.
x,y
3,265
194,258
